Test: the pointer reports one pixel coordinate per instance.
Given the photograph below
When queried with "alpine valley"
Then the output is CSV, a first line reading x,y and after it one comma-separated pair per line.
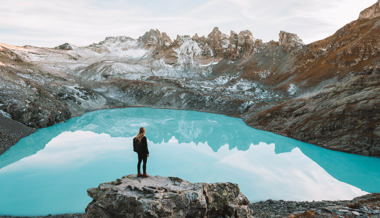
x,y
325,93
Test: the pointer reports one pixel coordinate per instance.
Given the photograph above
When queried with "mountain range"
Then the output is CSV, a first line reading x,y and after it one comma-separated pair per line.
x,y
325,93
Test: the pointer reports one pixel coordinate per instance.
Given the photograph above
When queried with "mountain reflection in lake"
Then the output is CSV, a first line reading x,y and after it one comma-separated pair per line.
x,y
50,170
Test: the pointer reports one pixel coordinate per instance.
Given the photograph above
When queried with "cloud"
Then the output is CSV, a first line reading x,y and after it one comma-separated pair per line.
x,y
81,22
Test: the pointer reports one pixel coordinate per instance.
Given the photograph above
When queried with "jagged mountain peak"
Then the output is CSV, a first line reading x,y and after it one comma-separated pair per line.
x,y
371,12
114,40
195,37
155,39
215,30
289,40
230,74
216,34
113,45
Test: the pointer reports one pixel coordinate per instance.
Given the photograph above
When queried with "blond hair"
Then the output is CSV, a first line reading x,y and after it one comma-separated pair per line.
x,y
141,133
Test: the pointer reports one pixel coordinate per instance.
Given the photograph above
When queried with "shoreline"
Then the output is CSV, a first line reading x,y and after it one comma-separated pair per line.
x,y
366,205
26,130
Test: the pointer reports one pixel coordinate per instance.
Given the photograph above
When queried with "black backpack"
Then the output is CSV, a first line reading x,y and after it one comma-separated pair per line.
x,y
135,145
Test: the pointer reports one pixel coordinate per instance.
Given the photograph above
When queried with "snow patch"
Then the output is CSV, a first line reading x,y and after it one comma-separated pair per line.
x,y
5,114
120,46
209,64
112,69
242,85
135,53
225,43
264,74
222,80
187,51
188,70
292,89
245,106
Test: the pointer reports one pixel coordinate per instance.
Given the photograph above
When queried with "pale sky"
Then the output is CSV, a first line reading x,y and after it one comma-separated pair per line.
x,y
82,22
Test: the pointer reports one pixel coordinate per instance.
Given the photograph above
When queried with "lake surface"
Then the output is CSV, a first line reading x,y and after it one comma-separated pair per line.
x,y
49,171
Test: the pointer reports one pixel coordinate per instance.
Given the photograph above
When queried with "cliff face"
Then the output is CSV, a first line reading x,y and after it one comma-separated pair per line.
x,y
323,93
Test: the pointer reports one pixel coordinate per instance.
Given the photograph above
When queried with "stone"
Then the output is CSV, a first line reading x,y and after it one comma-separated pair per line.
x,y
65,46
158,196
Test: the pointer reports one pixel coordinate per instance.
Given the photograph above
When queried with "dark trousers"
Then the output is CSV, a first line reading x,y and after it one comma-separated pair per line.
x,y
142,157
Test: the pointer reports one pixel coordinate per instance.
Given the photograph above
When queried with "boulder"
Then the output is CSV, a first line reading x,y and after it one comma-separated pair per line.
x,y
158,196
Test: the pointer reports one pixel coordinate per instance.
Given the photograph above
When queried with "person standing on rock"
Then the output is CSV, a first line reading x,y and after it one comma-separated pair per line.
x,y
140,146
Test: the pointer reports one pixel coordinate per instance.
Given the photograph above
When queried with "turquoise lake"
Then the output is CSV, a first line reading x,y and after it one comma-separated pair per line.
x,y
49,171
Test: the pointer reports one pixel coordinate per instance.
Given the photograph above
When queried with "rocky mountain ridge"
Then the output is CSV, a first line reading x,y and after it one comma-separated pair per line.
x,y
324,93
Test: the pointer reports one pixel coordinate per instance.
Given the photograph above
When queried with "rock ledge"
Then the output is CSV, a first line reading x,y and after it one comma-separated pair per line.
x,y
158,196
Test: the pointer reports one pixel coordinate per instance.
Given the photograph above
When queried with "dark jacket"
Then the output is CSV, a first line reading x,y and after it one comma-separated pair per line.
x,y
142,146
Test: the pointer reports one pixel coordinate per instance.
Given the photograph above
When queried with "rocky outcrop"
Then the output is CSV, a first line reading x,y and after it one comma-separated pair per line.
x,y
218,42
65,46
324,118
154,39
364,206
158,196
371,12
232,47
289,41
240,45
